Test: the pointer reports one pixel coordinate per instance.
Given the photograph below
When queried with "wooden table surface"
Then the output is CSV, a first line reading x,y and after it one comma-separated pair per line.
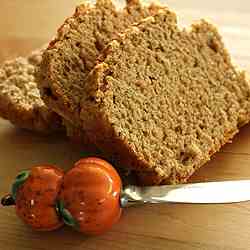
x,y
26,25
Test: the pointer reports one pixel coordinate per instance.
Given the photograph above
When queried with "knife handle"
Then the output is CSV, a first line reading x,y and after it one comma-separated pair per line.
x,y
130,197
135,195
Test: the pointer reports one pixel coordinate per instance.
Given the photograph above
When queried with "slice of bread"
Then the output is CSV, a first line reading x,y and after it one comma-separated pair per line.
x,y
164,99
21,103
72,55
20,100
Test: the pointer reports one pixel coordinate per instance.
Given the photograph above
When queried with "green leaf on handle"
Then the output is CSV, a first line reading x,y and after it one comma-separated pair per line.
x,y
66,215
20,179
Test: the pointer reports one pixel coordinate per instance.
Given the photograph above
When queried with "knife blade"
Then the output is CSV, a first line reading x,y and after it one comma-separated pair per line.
x,y
197,193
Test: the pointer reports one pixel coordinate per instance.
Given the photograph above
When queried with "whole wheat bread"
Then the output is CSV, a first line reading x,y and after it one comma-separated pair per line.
x,y
21,103
164,99
70,57
20,100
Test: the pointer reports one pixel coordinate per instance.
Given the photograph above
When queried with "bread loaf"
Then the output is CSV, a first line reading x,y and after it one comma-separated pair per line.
x,y
164,99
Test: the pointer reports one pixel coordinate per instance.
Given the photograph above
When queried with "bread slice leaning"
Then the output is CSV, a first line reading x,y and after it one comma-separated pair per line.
x,y
20,100
21,103
71,56
164,99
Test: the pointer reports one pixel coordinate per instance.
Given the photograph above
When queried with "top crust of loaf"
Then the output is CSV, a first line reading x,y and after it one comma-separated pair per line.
x,y
165,99
20,100
71,56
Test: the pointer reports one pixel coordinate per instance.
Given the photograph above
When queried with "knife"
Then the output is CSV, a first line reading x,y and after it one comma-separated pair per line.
x,y
198,193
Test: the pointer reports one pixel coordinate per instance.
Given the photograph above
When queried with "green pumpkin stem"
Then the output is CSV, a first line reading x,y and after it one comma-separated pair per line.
x,y
64,213
20,179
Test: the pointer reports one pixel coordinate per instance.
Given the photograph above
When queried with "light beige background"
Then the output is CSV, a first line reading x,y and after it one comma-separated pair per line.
x,y
27,24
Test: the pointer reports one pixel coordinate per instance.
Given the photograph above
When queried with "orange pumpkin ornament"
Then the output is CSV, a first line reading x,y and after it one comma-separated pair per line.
x,y
90,196
35,193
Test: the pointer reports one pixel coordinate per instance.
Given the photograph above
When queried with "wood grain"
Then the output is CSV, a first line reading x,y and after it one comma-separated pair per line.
x,y
26,25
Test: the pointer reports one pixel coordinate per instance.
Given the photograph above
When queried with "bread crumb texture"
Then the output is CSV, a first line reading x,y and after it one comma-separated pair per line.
x,y
164,99
75,50
20,100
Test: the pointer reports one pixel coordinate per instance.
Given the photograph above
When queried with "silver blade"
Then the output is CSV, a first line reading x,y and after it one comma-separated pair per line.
x,y
200,193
